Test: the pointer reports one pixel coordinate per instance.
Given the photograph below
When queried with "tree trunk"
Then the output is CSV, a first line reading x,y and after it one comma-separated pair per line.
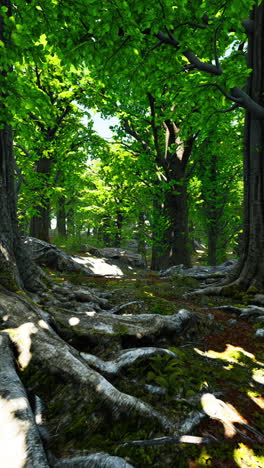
x,y
9,240
70,220
118,233
175,207
141,238
40,223
61,218
173,246
212,246
156,253
252,262
250,270
16,269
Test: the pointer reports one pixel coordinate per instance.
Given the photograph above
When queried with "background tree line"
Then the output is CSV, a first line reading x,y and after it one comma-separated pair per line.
x,y
172,173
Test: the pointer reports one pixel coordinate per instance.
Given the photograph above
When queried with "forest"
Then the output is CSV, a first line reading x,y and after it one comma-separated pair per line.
x,y
132,259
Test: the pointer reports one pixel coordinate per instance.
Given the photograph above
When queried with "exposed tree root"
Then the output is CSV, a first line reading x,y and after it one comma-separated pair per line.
x,y
20,442
41,337
32,331
124,359
97,460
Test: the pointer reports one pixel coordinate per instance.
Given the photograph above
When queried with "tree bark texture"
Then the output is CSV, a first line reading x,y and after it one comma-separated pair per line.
x,y
175,207
252,262
40,222
20,442
61,218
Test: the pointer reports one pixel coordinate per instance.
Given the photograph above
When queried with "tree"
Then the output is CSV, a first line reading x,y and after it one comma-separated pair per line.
x,y
16,269
41,347
215,189
199,34
129,23
55,129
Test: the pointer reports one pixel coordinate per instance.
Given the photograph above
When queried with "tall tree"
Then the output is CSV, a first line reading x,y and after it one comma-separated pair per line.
x,y
16,269
196,38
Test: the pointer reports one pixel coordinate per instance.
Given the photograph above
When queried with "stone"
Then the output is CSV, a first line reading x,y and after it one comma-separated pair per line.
x,y
259,333
200,272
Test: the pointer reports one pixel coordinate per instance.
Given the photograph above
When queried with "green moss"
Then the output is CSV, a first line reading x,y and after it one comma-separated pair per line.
x,y
253,290
232,290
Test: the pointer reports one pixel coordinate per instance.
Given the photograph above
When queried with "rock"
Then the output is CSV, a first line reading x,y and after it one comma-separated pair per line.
x,y
174,270
122,256
200,272
232,322
259,333
91,249
259,299
44,253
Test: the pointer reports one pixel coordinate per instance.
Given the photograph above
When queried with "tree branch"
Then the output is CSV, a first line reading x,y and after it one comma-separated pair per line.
x,y
245,101
129,129
228,96
233,107
185,439
154,127
188,146
193,59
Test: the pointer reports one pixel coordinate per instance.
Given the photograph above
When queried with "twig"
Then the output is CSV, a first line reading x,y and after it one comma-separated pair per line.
x,y
185,439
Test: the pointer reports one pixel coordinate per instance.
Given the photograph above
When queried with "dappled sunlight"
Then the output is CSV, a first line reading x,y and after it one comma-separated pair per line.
x,y
237,356
231,354
246,457
257,398
13,432
5,253
91,313
99,266
21,336
43,324
74,321
222,411
258,375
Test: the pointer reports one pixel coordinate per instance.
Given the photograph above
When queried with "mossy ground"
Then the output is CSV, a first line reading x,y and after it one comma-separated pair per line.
x,y
228,361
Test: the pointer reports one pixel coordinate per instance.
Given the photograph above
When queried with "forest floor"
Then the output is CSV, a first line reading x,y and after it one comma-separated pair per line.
x,y
228,361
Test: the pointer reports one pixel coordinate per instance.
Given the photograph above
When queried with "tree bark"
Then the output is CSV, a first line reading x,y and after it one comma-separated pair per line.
x,y
40,222
118,227
61,218
250,270
252,264
175,207
20,442
141,238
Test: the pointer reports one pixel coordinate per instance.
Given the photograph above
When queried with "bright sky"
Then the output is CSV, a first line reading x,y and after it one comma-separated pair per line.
x,y
101,126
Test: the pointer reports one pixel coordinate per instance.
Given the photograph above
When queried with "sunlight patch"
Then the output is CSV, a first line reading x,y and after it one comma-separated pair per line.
x,y
21,337
43,324
13,432
99,266
221,411
232,353
257,398
258,375
74,321
245,456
